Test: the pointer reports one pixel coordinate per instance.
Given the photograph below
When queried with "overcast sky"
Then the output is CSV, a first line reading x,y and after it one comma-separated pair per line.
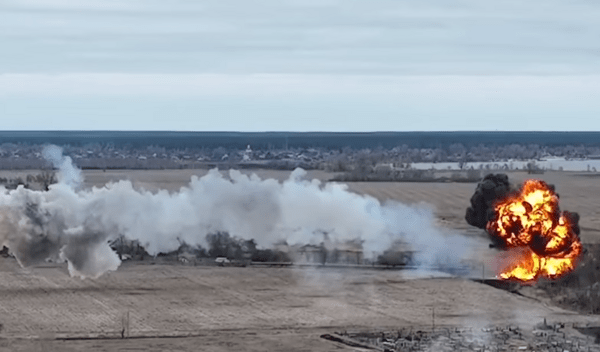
x,y
299,65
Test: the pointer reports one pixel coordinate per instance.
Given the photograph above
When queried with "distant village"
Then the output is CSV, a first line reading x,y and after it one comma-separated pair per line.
x,y
107,156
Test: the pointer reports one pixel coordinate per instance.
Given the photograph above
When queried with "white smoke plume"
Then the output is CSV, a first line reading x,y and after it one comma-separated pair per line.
x,y
77,225
69,174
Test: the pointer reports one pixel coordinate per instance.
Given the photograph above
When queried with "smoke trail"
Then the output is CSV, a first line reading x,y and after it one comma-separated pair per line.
x,y
77,225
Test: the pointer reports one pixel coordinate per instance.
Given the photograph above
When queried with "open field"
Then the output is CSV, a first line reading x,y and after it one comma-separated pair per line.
x,y
225,309
186,308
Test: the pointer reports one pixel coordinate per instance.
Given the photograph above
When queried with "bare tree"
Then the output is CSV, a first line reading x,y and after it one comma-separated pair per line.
x,y
46,178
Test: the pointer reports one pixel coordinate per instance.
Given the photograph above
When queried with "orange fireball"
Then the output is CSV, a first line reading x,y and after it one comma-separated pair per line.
x,y
531,225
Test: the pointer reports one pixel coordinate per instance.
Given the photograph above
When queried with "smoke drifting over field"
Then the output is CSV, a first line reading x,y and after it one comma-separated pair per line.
x,y
65,223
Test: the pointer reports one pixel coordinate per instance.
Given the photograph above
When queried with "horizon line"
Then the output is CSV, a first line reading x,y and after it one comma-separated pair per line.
x,y
298,132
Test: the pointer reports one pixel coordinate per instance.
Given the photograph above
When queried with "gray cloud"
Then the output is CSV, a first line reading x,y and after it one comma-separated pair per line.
x,y
289,36
301,65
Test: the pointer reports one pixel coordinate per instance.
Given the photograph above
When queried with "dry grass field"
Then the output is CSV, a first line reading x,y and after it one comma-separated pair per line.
x,y
173,307
176,307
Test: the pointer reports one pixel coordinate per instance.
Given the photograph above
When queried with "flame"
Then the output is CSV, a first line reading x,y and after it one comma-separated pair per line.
x,y
530,224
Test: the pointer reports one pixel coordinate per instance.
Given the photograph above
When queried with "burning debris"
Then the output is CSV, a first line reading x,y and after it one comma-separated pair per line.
x,y
541,240
545,239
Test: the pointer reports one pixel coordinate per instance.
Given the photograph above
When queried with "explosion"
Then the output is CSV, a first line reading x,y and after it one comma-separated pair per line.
x,y
542,239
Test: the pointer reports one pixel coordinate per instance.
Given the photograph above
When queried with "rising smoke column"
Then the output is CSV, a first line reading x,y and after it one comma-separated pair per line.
x,y
77,225
69,174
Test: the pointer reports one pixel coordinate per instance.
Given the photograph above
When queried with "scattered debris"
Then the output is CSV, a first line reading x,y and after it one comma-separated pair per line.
x,y
489,339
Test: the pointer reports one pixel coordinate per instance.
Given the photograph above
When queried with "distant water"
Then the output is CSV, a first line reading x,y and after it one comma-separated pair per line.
x,y
557,164
298,139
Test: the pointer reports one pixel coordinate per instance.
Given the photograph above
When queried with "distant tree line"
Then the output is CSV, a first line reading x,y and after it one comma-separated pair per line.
x,y
41,181
109,156
285,140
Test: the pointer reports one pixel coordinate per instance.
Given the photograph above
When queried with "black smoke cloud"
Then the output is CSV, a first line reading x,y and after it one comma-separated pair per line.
x,y
491,189
494,188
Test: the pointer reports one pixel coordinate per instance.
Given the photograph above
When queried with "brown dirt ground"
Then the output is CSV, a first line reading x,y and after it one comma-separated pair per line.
x,y
257,309
250,309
